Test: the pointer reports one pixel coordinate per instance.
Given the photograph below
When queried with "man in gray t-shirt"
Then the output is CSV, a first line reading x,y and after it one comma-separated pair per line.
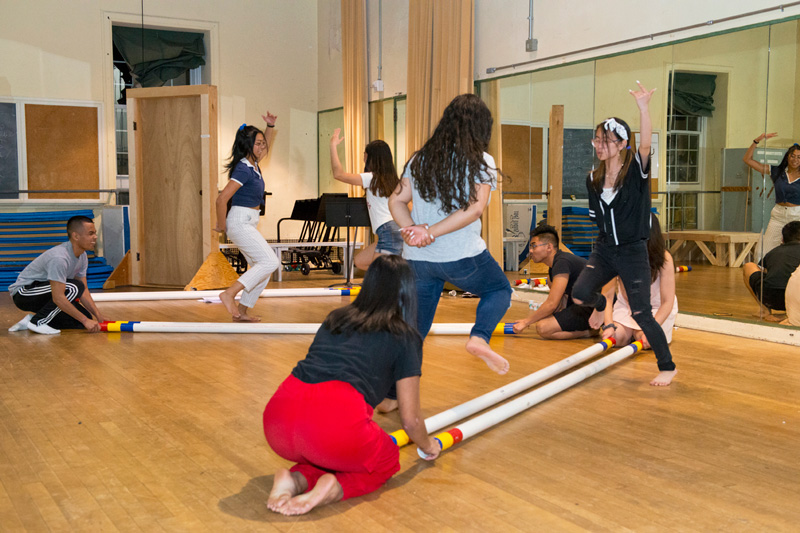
x,y
53,286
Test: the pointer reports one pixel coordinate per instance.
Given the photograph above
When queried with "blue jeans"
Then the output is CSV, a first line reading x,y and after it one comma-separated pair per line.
x,y
480,275
390,240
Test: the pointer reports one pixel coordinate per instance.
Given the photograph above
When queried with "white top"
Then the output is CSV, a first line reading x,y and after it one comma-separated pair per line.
x,y
622,309
460,244
378,206
608,194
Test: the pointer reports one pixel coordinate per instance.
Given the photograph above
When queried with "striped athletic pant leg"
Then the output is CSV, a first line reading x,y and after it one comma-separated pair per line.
x,y
242,229
37,298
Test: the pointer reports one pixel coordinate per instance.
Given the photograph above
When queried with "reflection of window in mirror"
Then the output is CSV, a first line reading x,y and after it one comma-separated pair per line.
x,y
691,114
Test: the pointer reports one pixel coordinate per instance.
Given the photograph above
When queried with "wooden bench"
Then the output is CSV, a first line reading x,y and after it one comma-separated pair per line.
x,y
725,243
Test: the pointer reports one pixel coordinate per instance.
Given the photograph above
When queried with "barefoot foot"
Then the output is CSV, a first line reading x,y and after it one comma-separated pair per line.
x,y
327,490
244,317
387,405
480,348
286,486
229,300
664,378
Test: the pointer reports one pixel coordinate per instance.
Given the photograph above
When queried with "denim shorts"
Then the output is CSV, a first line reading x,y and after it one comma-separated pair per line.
x,y
390,241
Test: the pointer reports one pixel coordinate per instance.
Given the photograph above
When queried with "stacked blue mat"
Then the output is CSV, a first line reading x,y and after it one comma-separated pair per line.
x,y
24,236
578,232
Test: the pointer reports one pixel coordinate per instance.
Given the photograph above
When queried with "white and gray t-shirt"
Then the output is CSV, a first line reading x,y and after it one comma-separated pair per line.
x,y
56,264
460,244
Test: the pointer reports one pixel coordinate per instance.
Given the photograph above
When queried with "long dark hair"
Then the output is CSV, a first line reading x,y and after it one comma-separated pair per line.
x,y
381,164
656,248
243,146
449,166
387,302
785,161
598,173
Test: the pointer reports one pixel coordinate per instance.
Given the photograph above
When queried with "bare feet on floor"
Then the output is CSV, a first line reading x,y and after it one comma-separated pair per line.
x,y
664,378
387,405
286,486
774,318
229,300
244,317
480,348
327,490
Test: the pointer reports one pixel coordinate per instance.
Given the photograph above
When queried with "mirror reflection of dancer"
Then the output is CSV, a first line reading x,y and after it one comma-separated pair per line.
x,y
321,415
619,203
786,179
245,190
449,180
379,180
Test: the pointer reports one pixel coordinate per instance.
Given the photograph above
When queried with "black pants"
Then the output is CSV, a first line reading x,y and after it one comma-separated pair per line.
x,y
630,262
37,298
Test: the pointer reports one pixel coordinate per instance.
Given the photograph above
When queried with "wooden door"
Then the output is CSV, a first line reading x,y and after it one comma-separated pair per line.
x,y
171,190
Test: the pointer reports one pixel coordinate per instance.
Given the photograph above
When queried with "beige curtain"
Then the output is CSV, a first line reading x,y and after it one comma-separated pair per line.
x,y
354,70
354,67
440,62
492,218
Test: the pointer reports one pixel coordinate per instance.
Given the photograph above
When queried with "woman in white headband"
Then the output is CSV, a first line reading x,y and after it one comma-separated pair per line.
x,y
619,203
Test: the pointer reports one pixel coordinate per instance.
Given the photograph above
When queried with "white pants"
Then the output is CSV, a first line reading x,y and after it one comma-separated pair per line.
x,y
779,217
242,229
793,298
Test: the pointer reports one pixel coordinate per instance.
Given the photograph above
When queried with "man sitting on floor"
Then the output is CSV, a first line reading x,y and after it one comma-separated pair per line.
x,y
767,283
53,284
558,318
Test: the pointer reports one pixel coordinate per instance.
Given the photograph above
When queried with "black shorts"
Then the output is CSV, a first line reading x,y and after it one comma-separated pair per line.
x,y
574,317
771,298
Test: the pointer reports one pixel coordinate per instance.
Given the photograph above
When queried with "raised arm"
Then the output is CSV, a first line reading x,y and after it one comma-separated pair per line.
x,y
761,168
269,131
336,165
642,97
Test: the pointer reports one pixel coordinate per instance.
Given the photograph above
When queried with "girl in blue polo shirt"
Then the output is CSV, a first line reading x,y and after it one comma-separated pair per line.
x,y
786,178
245,190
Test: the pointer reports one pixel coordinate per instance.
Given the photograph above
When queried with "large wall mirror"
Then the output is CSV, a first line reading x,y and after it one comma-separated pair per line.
x,y
715,96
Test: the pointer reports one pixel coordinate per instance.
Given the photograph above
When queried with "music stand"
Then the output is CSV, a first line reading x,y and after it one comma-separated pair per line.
x,y
348,212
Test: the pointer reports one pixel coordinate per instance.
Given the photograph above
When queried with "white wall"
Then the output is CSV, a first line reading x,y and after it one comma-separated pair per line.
x,y
501,27
264,56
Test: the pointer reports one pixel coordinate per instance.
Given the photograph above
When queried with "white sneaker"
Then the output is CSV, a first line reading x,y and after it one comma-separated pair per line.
x,y
43,329
22,325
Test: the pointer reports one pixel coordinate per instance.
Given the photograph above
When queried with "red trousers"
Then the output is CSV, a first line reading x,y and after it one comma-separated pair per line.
x,y
328,428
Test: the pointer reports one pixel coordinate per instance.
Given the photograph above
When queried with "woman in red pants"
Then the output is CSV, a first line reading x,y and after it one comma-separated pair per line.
x,y
321,415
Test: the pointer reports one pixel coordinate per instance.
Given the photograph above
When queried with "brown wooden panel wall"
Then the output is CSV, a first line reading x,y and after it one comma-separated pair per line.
x,y
62,150
522,160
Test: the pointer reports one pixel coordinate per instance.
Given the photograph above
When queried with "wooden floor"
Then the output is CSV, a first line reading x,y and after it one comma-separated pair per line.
x,y
162,432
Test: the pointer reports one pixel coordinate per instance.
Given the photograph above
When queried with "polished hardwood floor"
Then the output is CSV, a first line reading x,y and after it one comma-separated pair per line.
x,y
162,432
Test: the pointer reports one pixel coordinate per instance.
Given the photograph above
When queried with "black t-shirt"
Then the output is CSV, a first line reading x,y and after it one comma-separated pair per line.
x,y
780,263
570,264
370,362
627,218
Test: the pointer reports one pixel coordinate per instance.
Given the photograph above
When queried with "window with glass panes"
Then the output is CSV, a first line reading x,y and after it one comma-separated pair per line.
x,y
683,168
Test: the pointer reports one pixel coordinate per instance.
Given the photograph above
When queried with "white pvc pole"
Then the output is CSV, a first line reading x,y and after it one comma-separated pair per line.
x,y
459,412
257,327
506,411
199,295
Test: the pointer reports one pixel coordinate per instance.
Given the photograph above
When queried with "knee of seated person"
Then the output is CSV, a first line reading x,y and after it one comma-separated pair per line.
x,y
78,285
545,329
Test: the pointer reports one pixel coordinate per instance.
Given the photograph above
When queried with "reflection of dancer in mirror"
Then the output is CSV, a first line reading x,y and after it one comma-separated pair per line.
x,y
619,203
449,180
245,190
321,415
786,179
379,180
618,321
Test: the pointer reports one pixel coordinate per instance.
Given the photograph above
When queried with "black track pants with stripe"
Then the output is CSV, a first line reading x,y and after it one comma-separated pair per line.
x,y
37,298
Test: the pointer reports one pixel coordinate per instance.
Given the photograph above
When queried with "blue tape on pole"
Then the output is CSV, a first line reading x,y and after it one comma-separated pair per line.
x,y
128,326
508,328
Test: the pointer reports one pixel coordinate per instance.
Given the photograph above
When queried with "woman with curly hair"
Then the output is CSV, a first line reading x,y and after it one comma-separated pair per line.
x,y
449,181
